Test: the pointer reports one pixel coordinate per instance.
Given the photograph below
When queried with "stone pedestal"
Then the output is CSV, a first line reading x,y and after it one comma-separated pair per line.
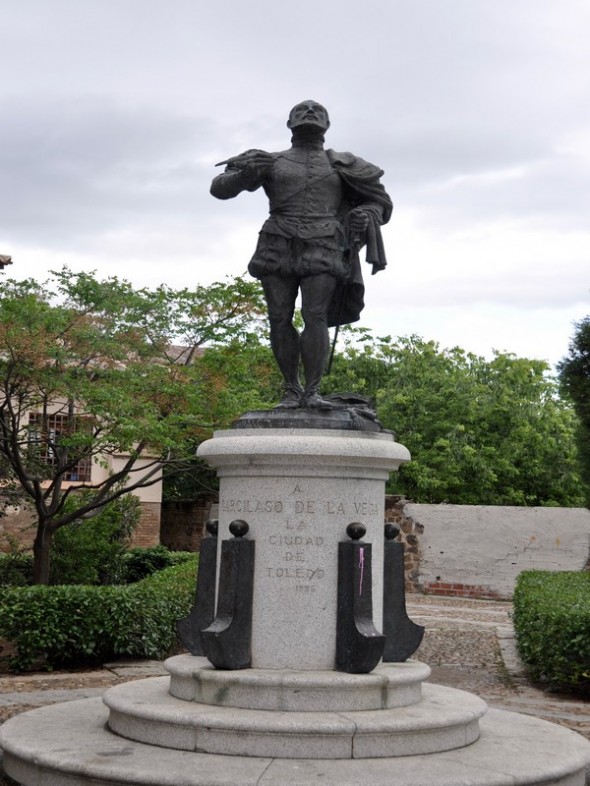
x,y
298,489
291,719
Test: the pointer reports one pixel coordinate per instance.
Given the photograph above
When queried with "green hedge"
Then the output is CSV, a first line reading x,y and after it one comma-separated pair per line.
x,y
552,623
16,569
139,562
82,625
134,564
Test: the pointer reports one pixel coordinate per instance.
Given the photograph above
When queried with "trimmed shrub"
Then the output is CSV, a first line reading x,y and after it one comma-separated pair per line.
x,y
119,567
16,569
82,625
552,623
138,563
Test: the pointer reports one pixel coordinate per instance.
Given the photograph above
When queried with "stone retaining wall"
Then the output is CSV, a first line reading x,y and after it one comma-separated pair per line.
x,y
478,551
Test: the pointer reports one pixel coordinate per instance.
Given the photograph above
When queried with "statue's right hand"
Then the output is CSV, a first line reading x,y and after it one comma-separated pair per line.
x,y
256,163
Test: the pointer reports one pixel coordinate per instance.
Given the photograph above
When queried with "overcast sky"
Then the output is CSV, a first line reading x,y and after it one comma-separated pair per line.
x,y
114,112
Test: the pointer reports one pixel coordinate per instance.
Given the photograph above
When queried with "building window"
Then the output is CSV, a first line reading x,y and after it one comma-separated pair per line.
x,y
45,433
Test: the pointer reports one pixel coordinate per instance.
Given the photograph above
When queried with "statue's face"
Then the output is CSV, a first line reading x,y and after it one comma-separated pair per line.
x,y
309,113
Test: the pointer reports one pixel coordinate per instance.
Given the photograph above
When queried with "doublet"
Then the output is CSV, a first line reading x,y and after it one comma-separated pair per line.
x,y
302,235
305,193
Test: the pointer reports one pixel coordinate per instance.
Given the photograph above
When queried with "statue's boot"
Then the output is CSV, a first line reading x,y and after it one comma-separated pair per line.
x,y
292,397
313,400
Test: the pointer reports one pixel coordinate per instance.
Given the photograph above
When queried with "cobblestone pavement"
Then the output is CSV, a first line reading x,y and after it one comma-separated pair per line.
x,y
469,644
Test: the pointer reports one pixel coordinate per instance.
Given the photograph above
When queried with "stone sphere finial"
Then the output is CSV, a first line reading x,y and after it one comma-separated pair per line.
x,y
212,527
239,528
391,531
356,530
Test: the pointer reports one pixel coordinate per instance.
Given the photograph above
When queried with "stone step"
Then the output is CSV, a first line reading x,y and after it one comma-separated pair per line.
x,y
389,685
69,745
444,719
473,609
443,622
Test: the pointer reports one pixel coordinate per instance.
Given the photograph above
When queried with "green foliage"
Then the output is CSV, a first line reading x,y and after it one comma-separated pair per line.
x,y
552,623
16,569
574,375
93,551
84,554
120,369
240,377
138,563
78,625
244,378
480,432
16,564
195,481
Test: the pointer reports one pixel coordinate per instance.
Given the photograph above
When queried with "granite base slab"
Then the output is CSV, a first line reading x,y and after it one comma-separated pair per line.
x,y
388,686
69,745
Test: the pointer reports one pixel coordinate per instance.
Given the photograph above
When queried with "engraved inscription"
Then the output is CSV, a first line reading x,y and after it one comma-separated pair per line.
x,y
296,556
295,573
365,508
297,562
251,506
298,552
334,507
295,540
308,507
305,507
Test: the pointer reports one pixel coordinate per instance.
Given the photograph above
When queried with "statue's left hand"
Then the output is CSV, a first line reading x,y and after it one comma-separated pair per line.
x,y
358,220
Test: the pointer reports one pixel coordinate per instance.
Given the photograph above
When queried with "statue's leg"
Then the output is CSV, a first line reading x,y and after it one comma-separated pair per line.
x,y
316,295
281,293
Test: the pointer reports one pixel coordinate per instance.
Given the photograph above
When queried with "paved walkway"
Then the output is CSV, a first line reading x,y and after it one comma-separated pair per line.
x,y
470,645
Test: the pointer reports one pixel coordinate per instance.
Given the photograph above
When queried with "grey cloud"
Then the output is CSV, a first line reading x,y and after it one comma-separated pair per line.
x,y
88,167
527,292
111,123
551,193
422,155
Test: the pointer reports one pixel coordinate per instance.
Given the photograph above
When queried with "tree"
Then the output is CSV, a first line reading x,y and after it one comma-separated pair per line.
x,y
244,376
574,375
480,432
102,386
92,551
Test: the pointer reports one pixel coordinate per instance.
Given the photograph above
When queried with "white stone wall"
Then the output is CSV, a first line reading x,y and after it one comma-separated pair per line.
x,y
480,550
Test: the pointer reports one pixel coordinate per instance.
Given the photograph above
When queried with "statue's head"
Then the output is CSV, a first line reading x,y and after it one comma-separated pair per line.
x,y
308,113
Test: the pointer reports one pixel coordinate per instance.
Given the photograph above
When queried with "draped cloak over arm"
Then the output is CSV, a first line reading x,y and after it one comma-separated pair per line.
x,y
363,190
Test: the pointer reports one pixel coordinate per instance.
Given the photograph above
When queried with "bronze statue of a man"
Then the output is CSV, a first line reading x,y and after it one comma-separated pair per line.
x,y
324,206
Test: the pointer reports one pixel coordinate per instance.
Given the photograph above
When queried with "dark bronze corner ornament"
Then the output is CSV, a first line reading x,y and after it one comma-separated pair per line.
x,y
227,641
359,645
402,636
202,613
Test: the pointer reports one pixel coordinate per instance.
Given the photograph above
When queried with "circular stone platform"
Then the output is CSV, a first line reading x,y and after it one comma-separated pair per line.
x,y
444,719
387,686
69,745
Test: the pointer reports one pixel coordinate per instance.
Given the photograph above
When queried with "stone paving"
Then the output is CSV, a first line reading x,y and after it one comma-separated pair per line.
x,y
468,643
